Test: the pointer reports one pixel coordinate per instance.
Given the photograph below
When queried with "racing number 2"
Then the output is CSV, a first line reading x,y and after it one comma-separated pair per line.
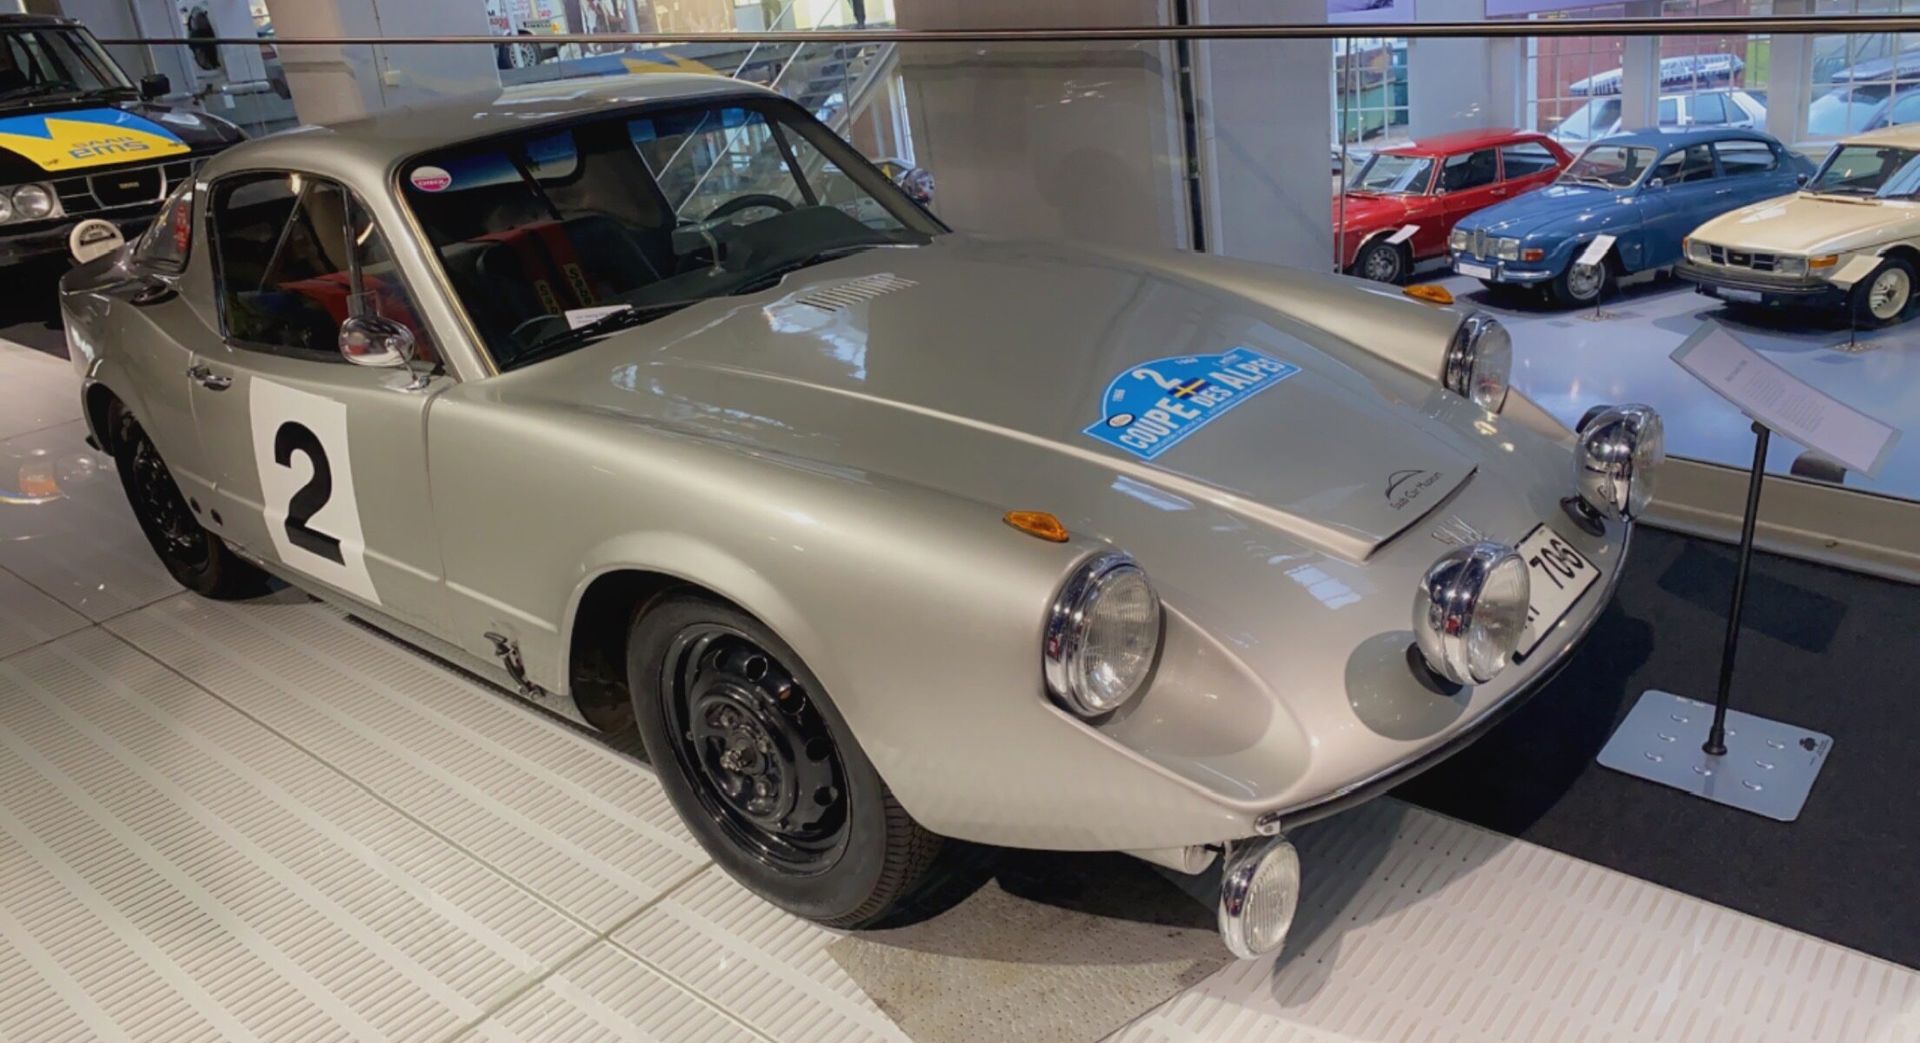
x,y
294,437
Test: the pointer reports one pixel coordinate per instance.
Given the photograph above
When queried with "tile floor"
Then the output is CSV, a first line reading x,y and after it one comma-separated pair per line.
x,y
261,822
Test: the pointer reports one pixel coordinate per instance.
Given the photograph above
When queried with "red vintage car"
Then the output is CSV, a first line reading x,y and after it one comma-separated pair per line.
x,y
1429,184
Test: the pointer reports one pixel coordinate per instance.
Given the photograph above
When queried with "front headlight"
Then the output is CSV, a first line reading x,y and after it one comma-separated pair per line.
x,y
1457,240
1479,361
1788,264
1102,635
1469,611
1506,249
1620,448
1699,251
32,202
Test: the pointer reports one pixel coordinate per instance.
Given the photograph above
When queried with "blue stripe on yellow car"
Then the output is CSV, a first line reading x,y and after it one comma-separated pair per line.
x,y
61,141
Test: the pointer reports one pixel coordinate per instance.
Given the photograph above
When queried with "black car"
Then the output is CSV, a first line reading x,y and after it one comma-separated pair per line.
x,y
79,140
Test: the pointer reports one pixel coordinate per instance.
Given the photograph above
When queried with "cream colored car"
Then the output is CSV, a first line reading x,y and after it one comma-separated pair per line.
x,y
1850,238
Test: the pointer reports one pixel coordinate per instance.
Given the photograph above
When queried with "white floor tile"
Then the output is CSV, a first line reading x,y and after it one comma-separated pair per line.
x,y
74,536
36,391
29,618
584,827
174,871
605,994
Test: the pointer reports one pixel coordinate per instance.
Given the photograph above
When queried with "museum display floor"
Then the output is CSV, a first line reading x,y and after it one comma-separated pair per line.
x,y
262,821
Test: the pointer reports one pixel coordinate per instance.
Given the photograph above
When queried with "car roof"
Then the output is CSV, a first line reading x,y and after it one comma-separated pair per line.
x,y
1904,135
1672,138
11,20
367,147
1463,141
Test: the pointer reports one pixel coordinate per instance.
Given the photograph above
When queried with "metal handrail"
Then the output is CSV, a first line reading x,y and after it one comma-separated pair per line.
x,y
1822,24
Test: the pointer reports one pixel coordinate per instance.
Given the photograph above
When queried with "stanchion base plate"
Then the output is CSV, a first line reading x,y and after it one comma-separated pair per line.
x,y
1768,769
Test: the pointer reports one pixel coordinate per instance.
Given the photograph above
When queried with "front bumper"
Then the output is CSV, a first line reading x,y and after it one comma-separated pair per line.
x,y
1744,287
43,240
1499,271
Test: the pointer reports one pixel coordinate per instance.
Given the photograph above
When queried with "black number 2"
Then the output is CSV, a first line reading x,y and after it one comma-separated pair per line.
x,y
298,438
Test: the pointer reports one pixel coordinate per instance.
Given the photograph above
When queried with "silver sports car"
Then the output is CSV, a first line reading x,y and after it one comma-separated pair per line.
x,y
652,397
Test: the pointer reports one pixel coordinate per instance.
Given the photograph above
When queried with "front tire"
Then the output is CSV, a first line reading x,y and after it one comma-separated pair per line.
x,y
197,559
764,771
1884,297
1580,285
1381,261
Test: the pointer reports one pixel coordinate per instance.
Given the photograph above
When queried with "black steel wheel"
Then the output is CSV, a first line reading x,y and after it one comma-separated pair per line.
x,y
763,769
199,560
1382,261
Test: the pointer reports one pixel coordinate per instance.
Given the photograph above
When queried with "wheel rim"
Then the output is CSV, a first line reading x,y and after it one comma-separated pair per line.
x,y
1888,295
1585,281
164,512
1381,265
753,744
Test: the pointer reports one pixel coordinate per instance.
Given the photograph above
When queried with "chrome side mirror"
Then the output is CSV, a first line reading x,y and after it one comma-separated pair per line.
x,y
374,340
1656,182
1800,179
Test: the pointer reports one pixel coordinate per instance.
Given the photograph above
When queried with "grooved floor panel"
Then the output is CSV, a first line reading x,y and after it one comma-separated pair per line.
x,y
584,827
82,546
174,871
29,618
605,994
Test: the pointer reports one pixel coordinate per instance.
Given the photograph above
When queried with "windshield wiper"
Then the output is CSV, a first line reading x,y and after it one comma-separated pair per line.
x,y
1598,182
626,318
775,274
35,90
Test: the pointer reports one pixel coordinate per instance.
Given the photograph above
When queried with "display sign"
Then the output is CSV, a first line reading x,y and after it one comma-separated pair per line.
x,y
1596,251
1783,402
1861,266
1405,233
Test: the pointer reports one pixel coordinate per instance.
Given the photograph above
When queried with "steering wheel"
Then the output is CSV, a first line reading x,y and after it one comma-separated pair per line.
x,y
747,202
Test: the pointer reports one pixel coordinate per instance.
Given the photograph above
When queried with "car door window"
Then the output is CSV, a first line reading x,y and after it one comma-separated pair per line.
x,y
1709,109
1525,159
1694,163
164,245
284,247
1469,170
1905,109
1738,158
1669,112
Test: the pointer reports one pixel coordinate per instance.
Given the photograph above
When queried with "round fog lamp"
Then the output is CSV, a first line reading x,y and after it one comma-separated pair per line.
x,y
1259,892
32,202
1470,610
1619,450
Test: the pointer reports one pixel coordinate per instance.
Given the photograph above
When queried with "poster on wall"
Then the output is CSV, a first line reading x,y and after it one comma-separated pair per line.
x,y
1349,12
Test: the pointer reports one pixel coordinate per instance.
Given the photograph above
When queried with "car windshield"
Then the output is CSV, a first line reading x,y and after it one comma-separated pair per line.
x,y
1595,117
1847,110
556,236
51,62
1609,166
1386,172
1876,171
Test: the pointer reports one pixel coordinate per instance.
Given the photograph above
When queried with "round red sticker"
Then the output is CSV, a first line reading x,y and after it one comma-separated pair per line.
x,y
430,179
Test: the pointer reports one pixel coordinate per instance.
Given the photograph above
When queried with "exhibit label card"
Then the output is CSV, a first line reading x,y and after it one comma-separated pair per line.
x,y
1596,251
1785,403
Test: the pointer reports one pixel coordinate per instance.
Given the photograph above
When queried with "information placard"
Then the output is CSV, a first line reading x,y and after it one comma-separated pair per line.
x,y
1596,251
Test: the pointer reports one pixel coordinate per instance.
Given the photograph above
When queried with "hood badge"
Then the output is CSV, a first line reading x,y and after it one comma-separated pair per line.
x,y
1456,531
1404,487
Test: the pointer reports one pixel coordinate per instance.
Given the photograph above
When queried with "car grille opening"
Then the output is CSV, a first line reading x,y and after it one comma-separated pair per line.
x,y
136,185
1759,262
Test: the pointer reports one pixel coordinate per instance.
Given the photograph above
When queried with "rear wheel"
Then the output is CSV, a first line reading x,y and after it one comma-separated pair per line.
x,y
762,768
197,559
1884,297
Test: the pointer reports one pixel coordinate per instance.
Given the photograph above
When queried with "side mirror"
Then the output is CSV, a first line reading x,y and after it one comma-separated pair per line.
x,y
917,183
1800,179
374,340
155,85
1656,182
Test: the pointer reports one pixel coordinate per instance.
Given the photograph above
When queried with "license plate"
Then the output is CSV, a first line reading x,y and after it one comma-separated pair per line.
x,y
1557,575
1478,271
1741,296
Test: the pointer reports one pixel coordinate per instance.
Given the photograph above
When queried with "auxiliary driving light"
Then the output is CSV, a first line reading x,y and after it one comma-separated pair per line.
x,y
1259,892
1470,610
1619,450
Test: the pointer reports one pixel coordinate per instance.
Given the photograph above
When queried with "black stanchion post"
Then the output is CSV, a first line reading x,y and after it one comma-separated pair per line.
x,y
1716,744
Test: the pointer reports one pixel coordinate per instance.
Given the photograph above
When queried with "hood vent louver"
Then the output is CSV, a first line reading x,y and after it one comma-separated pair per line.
x,y
843,295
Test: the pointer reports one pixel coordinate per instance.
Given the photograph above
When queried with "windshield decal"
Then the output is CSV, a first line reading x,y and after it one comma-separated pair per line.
x,y
87,138
430,179
1151,408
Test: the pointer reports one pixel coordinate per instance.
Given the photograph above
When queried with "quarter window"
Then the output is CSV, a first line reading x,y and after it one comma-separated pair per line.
x,y
1526,159
1746,157
165,243
284,248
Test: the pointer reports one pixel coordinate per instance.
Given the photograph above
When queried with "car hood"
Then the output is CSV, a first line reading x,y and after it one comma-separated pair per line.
x,y
997,370
1555,209
86,134
1367,212
1804,223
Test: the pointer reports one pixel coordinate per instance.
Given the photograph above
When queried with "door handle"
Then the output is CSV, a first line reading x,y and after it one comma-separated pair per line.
x,y
209,379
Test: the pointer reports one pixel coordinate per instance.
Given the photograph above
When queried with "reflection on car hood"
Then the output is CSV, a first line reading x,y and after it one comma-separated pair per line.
x,y
1368,212
1805,223
87,134
1541,211
893,360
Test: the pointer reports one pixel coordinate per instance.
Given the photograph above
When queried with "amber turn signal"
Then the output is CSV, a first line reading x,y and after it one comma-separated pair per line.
x,y
1430,293
1823,261
1038,523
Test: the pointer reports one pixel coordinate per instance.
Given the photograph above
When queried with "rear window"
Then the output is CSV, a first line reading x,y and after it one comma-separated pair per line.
x,y
1526,159
1746,157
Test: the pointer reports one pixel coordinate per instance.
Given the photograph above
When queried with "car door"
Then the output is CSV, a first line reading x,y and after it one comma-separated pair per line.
x,y
320,465
1467,182
1683,190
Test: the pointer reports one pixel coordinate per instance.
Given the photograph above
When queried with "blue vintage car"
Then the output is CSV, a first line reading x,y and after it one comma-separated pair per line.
x,y
1647,189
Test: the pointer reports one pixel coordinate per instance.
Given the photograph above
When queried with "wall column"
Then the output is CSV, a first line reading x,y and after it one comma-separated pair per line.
x,y
330,84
